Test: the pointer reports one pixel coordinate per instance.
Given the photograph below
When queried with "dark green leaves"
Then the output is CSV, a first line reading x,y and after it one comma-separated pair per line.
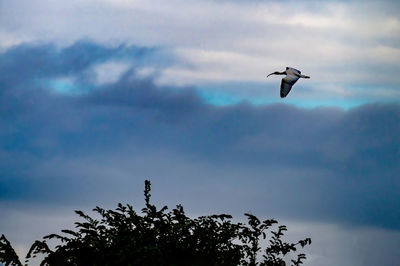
x,y
158,237
7,253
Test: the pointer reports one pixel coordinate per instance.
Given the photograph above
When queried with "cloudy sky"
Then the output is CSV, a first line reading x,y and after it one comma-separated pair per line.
x,y
97,96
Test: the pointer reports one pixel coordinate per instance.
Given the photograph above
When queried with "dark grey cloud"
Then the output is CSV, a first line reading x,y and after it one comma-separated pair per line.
x,y
97,147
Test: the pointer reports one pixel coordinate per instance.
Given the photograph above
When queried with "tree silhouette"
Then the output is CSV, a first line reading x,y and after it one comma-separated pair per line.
x,y
159,237
7,253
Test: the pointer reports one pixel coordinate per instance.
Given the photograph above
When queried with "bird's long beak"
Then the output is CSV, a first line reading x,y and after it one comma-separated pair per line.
x,y
277,73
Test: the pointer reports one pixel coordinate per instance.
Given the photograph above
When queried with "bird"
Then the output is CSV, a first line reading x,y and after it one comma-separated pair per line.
x,y
292,75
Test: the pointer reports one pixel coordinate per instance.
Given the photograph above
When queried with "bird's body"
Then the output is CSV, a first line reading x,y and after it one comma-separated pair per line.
x,y
292,75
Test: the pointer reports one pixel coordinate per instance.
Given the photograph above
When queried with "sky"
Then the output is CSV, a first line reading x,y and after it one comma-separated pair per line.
x,y
97,96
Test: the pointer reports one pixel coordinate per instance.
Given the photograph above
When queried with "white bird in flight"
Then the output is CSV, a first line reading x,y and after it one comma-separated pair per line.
x,y
292,75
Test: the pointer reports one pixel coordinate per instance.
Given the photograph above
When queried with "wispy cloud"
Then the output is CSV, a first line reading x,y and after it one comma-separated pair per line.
x,y
339,43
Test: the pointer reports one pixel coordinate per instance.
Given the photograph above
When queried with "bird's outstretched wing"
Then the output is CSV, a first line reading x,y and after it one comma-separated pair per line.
x,y
291,69
285,88
286,84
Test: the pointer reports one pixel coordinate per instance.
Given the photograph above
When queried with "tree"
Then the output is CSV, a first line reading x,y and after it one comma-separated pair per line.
x,y
159,237
7,253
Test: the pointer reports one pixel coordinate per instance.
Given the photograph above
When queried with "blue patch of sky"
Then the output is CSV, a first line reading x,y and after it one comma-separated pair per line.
x,y
218,98
64,86
61,86
258,93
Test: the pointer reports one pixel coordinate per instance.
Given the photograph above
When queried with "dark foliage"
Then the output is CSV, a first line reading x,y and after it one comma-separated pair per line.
x,y
123,237
7,253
